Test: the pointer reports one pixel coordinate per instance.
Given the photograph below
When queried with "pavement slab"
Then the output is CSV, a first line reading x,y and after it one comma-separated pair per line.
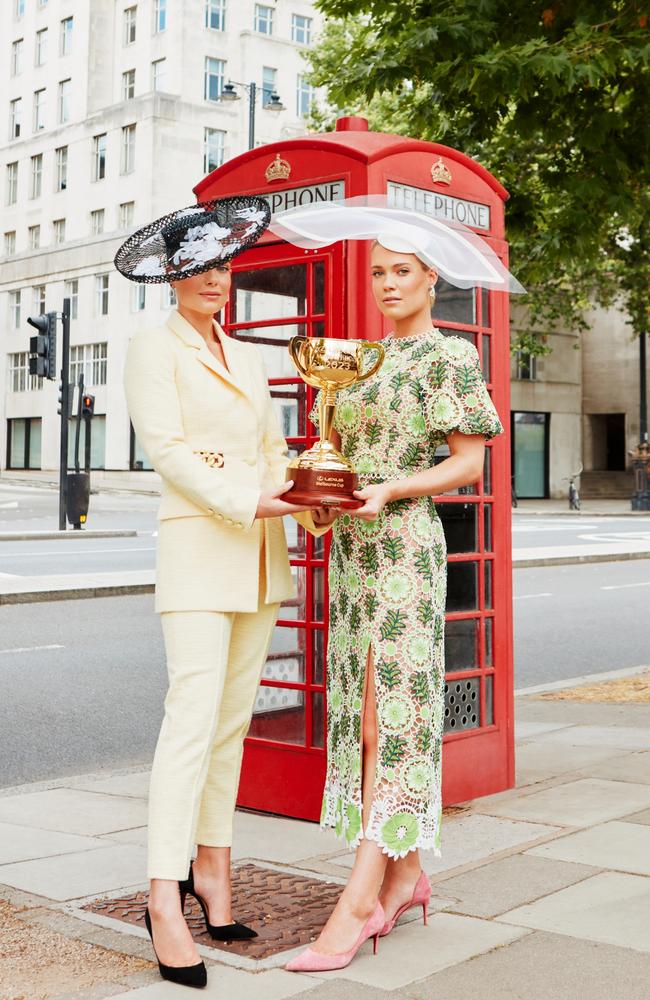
x,y
502,885
611,907
74,876
413,952
632,767
536,761
623,847
228,984
574,803
525,731
69,810
541,966
621,737
135,784
583,713
25,843
640,817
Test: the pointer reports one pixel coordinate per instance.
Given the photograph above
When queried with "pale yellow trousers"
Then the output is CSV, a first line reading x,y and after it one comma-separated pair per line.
x,y
215,660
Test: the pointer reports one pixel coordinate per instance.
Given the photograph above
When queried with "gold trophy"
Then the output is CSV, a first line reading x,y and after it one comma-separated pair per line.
x,y
322,475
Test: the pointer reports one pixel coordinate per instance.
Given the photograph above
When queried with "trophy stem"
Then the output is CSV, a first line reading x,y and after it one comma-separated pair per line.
x,y
326,411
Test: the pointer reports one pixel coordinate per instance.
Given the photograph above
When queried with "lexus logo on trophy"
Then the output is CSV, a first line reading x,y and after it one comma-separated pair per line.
x,y
322,475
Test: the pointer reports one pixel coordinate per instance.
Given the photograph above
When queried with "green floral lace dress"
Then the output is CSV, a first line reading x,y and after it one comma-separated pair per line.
x,y
387,589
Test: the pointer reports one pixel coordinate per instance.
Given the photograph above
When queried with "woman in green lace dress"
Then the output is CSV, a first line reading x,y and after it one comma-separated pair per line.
x,y
387,587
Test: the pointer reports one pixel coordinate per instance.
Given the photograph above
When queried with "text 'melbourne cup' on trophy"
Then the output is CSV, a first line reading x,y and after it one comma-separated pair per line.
x,y
322,475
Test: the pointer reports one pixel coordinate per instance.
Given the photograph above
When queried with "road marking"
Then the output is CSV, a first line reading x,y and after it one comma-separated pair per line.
x,y
79,552
622,586
524,597
618,536
9,505
31,649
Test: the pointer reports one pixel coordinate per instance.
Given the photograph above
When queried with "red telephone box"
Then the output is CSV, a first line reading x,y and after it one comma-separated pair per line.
x,y
279,291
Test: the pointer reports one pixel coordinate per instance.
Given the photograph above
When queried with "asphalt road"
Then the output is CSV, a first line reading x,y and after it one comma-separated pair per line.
x,y
82,682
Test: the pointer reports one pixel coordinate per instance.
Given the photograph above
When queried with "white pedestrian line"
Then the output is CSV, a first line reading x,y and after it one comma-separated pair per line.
x,y
622,586
618,536
78,552
31,649
524,597
9,505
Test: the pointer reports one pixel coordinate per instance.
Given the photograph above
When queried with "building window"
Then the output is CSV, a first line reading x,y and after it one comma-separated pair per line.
x,y
128,85
215,70
42,3
12,183
101,294
34,237
64,101
100,363
89,360
215,15
263,19
97,221
214,143
24,441
58,231
158,74
10,243
38,299
41,47
126,214
14,309
301,29
168,297
159,16
99,157
127,164
19,378
305,96
17,57
15,115
128,28
71,291
19,8
36,176
138,297
269,76
526,366
61,168
39,110
65,38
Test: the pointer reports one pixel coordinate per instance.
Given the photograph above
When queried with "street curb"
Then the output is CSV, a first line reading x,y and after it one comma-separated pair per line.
x,y
42,536
570,682
76,593
576,560
585,514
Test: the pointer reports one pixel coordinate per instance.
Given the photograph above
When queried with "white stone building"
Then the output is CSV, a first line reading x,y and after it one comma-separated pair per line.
x,y
112,113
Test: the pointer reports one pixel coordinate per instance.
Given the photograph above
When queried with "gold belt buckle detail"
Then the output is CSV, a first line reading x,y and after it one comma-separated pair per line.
x,y
212,458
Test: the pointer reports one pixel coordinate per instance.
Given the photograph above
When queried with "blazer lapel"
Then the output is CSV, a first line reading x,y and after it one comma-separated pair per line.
x,y
186,332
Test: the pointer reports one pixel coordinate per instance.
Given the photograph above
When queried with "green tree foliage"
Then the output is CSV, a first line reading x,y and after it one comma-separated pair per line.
x,y
552,97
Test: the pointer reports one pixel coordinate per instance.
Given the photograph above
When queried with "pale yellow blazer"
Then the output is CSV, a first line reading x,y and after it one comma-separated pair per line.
x,y
182,401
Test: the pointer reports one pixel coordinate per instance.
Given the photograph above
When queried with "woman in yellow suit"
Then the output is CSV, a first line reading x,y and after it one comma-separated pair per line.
x,y
201,409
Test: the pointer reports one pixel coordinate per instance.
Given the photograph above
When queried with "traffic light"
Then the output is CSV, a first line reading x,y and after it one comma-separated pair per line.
x,y
43,345
70,400
87,405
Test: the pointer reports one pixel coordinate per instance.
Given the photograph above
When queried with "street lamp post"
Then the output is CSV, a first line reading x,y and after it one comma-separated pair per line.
x,y
641,457
229,93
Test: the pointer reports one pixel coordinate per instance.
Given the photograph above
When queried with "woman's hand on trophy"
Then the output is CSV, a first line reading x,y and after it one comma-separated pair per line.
x,y
375,499
271,504
324,516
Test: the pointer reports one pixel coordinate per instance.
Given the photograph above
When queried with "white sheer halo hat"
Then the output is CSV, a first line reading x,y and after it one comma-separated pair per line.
x,y
457,253
193,239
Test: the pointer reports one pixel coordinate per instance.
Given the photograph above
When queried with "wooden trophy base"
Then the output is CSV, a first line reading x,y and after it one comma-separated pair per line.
x,y
323,488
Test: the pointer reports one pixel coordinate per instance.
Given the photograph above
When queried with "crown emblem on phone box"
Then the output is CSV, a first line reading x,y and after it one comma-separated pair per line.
x,y
440,173
278,169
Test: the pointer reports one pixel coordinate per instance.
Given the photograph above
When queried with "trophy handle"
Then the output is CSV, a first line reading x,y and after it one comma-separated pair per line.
x,y
294,350
366,346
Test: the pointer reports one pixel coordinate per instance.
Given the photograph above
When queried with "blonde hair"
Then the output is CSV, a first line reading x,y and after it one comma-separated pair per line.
x,y
425,267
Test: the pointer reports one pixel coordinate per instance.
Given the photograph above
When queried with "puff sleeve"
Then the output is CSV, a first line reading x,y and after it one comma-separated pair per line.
x,y
457,398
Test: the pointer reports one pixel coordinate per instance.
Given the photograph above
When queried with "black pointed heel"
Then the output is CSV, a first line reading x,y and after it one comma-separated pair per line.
x,y
187,975
218,932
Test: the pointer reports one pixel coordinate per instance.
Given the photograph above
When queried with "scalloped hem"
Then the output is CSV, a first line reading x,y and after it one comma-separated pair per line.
x,y
421,844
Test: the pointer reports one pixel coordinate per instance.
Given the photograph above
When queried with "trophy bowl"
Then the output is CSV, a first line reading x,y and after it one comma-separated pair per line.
x,y
322,475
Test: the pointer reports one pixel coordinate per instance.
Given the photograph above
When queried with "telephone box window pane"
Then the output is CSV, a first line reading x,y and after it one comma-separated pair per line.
x,y
489,701
286,659
318,720
454,305
462,586
487,527
269,293
290,402
318,548
296,537
461,645
272,341
487,584
279,715
485,307
487,472
460,522
318,594
489,645
487,360
294,608
318,656
319,286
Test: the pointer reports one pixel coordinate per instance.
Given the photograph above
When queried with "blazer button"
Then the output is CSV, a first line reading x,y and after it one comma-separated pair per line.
x,y
220,517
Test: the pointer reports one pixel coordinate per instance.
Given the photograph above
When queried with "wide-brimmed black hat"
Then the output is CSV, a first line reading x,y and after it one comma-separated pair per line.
x,y
192,240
